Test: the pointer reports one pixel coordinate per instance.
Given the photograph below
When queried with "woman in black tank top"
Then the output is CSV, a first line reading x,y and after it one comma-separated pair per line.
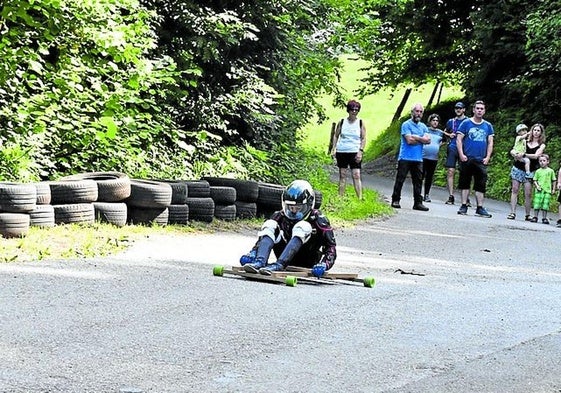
x,y
535,147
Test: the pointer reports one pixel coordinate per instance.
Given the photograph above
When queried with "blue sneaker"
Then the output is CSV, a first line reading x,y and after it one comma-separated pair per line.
x,y
254,266
273,267
481,212
463,210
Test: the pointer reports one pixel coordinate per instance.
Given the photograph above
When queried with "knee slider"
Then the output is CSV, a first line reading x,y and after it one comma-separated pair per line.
x,y
302,230
268,229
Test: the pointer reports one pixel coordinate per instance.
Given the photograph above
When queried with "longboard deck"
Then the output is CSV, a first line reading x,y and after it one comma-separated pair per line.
x,y
292,275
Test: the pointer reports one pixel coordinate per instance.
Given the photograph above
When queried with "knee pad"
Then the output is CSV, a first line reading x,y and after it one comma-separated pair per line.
x,y
269,229
302,230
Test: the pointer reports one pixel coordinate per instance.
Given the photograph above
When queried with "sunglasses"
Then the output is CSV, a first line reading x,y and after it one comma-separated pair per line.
x,y
354,109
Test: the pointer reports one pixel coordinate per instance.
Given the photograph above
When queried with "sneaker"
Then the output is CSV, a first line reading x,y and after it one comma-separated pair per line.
x,y
421,207
450,200
481,212
558,223
254,267
273,267
427,198
545,221
396,205
463,210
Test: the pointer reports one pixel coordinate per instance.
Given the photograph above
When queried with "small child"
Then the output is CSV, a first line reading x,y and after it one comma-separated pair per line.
x,y
520,146
544,182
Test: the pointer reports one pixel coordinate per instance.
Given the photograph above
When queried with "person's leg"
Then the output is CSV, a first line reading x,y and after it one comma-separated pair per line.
x,y
528,198
357,182
300,234
514,190
429,167
402,168
450,180
416,169
342,180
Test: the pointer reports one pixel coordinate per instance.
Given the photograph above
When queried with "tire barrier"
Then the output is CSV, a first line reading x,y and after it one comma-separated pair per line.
x,y
114,198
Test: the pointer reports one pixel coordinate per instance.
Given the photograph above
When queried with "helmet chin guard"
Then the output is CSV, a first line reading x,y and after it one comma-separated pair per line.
x,y
298,200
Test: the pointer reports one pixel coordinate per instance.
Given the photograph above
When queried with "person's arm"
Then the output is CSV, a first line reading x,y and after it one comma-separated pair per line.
x,y
460,146
537,154
490,145
362,140
327,243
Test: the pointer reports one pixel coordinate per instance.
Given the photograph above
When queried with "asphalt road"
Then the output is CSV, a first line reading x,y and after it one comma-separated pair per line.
x,y
479,313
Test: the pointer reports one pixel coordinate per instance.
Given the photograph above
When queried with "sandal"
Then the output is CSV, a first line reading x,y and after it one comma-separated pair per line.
x,y
511,216
545,221
534,219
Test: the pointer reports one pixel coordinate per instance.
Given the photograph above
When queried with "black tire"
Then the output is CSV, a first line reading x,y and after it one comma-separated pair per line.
x,y
246,210
111,186
111,212
201,209
14,224
148,216
223,195
318,199
178,214
42,216
73,191
17,197
225,212
74,213
270,196
246,190
178,191
197,188
149,194
43,193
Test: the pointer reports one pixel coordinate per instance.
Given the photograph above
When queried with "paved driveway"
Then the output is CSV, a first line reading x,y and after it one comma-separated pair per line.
x,y
481,313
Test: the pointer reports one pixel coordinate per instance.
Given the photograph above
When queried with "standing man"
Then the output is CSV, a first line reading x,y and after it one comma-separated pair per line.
x,y
452,151
414,134
475,146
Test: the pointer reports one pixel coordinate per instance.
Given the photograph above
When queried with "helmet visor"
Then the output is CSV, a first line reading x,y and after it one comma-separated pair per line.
x,y
295,211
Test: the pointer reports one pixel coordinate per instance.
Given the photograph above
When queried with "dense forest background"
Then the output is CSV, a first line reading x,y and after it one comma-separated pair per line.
x,y
185,88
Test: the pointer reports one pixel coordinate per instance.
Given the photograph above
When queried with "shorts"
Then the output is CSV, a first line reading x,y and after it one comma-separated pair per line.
x,y
452,157
347,160
473,169
541,200
519,175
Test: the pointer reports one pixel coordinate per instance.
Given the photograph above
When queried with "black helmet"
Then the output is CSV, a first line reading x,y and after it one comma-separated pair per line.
x,y
298,200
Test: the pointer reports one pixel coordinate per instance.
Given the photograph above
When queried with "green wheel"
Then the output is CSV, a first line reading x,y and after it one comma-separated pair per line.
x,y
218,270
291,281
369,282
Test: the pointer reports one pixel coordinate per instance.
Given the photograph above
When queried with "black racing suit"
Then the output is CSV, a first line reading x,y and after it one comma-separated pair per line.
x,y
320,247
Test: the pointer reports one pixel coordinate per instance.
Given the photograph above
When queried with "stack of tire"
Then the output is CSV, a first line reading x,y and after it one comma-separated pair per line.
x,y
178,210
149,202
201,205
246,195
44,213
16,202
72,200
113,188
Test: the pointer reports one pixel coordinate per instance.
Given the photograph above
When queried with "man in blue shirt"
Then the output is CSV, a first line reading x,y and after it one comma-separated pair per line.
x,y
475,146
414,134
